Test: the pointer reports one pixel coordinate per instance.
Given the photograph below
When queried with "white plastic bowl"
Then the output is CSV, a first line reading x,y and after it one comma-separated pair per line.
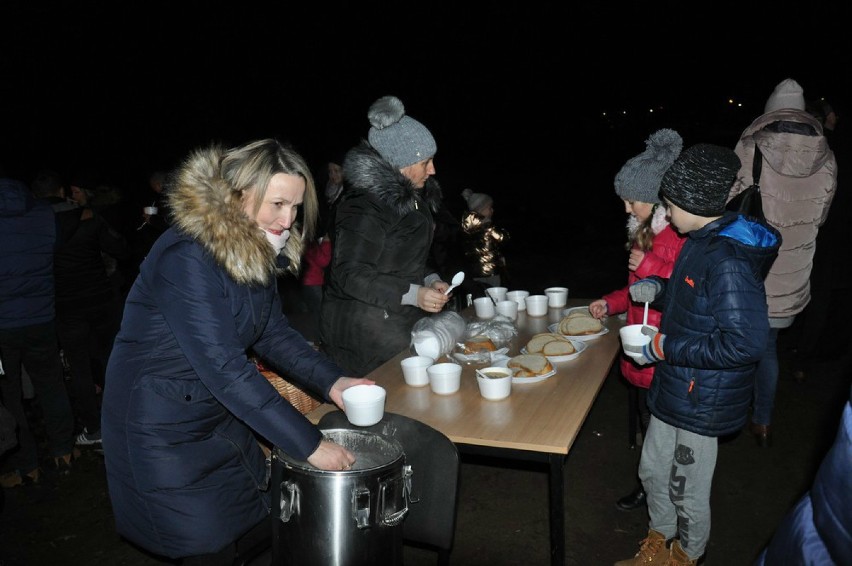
x,y
364,405
444,378
414,370
494,388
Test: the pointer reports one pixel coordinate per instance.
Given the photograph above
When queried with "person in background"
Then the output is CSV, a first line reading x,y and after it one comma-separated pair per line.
x,y
712,334
154,214
653,245
820,331
28,234
88,304
317,258
378,284
798,179
482,241
446,254
334,185
184,404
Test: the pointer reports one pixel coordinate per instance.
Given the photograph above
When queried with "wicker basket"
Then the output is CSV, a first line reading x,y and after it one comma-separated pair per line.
x,y
304,402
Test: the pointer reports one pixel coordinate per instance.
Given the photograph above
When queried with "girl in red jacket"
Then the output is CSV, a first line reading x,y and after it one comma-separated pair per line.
x,y
653,246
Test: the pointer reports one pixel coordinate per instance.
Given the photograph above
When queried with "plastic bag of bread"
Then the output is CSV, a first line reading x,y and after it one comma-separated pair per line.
x,y
484,341
499,330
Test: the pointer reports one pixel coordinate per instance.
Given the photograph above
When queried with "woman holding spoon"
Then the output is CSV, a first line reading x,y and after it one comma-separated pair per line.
x,y
654,246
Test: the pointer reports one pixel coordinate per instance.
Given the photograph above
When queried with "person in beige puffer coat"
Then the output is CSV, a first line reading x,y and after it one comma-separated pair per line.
x,y
797,182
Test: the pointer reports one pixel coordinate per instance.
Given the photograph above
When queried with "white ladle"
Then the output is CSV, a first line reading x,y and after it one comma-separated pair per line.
x,y
458,279
645,317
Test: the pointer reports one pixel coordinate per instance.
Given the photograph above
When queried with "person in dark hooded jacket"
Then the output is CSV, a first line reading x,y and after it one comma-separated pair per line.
x,y
379,284
184,403
712,334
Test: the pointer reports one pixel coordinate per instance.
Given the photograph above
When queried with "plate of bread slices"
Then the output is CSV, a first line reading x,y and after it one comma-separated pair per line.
x,y
556,347
579,324
528,368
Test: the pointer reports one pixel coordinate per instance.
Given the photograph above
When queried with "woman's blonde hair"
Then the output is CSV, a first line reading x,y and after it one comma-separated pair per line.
x,y
251,167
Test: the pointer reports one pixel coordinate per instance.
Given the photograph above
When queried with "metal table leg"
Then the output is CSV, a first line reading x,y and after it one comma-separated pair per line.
x,y
557,509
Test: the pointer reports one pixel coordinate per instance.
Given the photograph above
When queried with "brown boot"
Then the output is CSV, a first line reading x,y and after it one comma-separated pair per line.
x,y
652,551
677,556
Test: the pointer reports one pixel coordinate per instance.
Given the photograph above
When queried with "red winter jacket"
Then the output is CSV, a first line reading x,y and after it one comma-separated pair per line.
x,y
317,258
658,261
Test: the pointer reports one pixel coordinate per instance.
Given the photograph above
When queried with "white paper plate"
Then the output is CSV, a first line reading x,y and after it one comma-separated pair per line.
x,y
522,380
582,338
579,346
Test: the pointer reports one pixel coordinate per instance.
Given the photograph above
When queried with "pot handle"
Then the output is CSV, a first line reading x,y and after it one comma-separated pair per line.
x,y
394,519
288,502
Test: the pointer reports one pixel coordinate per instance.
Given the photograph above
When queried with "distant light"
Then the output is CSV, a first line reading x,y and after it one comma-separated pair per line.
x,y
730,101
624,112
651,110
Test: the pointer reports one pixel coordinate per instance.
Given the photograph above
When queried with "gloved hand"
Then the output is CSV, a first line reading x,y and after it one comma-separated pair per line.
x,y
645,290
650,353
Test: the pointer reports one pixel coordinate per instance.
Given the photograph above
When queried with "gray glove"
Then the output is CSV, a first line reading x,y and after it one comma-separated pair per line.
x,y
645,290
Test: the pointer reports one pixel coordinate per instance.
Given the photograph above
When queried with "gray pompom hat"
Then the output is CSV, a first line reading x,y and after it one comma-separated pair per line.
x,y
639,178
700,179
400,140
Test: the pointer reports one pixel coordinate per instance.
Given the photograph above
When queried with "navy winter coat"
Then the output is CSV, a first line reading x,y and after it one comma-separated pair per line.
x,y
715,322
182,401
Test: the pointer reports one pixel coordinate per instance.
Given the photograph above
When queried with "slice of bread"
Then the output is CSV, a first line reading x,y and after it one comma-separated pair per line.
x,y
537,342
572,314
530,365
561,347
580,325
478,343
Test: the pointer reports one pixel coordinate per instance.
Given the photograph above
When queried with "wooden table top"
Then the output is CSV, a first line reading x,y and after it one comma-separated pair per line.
x,y
541,417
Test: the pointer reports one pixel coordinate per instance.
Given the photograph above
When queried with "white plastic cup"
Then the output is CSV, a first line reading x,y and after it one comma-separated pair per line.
x,y
496,385
484,307
364,404
557,297
518,297
444,378
536,305
498,293
631,335
508,308
414,370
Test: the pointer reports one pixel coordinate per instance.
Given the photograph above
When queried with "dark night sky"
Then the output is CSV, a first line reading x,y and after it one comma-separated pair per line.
x,y
514,96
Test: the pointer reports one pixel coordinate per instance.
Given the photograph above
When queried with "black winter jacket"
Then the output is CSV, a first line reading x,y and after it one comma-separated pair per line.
x,y
383,229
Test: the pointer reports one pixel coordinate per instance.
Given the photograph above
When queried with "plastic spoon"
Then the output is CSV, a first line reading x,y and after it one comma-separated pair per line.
x,y
458,279
645,317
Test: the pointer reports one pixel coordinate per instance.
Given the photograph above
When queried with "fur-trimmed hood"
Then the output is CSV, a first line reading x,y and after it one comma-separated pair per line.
x,y
365,171
206,208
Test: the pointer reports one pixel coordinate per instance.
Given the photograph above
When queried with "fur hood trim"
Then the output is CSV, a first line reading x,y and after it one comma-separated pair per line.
x,y
365,171
209,211
658,222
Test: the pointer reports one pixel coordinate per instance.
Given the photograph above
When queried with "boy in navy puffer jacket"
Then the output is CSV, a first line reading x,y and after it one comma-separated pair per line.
x,y
713,331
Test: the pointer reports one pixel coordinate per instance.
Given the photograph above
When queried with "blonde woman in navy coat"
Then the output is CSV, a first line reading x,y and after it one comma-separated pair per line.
x,y
183,401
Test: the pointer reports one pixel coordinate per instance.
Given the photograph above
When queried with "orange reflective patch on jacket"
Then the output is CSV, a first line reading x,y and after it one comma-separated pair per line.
x,y
689,281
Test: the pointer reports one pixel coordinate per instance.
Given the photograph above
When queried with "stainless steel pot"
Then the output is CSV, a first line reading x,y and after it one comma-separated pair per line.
x,y
342,518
